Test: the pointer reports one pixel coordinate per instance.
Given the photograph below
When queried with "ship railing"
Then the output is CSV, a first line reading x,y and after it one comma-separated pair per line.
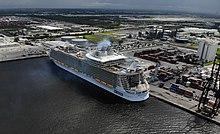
x,y
135,92
124,82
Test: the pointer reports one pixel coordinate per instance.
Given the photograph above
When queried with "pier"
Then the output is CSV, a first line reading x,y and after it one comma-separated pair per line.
x,y
187,104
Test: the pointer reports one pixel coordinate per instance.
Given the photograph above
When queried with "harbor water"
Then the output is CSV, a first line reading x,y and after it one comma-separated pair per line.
x,y
38,97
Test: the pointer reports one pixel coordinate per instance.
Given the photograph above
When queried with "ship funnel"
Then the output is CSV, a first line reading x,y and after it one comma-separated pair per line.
x,y
104,44
110,50
97,53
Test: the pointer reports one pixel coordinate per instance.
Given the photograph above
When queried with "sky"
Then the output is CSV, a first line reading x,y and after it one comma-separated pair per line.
x,y
197,6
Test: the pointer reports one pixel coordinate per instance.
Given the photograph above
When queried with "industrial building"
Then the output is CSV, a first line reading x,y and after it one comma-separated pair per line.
x,y
49,28
7,42
76,29
207,51
181,40
67,38
65,42
51,44
81,42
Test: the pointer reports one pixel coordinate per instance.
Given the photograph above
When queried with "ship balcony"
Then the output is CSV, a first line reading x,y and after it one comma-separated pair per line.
x,y
141,87
124,71
134,84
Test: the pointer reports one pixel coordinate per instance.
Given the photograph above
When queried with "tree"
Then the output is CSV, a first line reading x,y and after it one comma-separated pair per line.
x,y
129,36
120,42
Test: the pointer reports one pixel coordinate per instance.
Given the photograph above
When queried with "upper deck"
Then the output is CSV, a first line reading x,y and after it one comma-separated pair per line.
x,y
103,65
105,59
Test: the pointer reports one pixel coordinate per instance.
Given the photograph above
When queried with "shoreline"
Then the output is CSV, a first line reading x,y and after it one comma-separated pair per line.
x,y
24,58
192,109
156,92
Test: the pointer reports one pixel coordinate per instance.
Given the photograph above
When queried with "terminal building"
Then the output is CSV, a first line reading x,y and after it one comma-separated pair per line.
x,y
49,28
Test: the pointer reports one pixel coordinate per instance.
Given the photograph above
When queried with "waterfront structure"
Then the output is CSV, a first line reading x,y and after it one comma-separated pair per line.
x,y
106,69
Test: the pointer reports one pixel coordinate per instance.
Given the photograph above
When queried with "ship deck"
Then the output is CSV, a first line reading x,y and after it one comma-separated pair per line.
x,y
120,69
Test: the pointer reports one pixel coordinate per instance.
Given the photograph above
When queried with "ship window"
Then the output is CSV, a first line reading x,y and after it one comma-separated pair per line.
x,y
135,80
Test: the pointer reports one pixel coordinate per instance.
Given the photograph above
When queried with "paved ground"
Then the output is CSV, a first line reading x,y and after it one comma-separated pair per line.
x,y
179,100
20,52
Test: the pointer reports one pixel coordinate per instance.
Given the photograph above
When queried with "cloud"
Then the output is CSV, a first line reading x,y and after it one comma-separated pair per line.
x,y
204,6
101,4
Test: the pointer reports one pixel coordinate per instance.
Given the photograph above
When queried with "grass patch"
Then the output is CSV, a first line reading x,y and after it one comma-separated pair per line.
x,y
217,36
193,46
109,33
218,51
92,38
211,62
97,37
208,63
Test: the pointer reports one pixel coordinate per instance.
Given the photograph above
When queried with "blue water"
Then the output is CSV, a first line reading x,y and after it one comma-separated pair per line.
x,y
38,97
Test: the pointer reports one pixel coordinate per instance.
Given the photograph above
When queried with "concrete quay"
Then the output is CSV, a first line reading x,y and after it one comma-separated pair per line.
x,y
187,104
21,52
23,58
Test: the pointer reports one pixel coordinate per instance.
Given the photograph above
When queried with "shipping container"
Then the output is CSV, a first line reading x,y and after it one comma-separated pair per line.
x,y
194,85
188,94
180,91
151,67
185,78
174,87
201,88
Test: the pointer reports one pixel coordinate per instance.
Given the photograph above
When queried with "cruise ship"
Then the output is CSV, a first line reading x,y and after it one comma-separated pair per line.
x,y
104,67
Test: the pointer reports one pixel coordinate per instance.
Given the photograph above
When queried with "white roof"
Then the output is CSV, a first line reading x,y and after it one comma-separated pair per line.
x,y
199,30
57,43
80,40
106,58
68,37
49,27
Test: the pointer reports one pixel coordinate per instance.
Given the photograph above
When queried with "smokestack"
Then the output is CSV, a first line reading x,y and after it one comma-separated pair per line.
x,y
104,44
110,51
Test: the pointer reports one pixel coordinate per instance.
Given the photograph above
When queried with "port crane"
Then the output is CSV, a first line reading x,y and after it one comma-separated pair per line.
x,y
154,78
211,87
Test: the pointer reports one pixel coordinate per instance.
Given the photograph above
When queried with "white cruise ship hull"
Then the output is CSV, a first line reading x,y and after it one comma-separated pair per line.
x,y
116,91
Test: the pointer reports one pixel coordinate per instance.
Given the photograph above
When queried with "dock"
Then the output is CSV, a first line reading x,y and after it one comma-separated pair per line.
x,y
21,52
187,104
23,58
